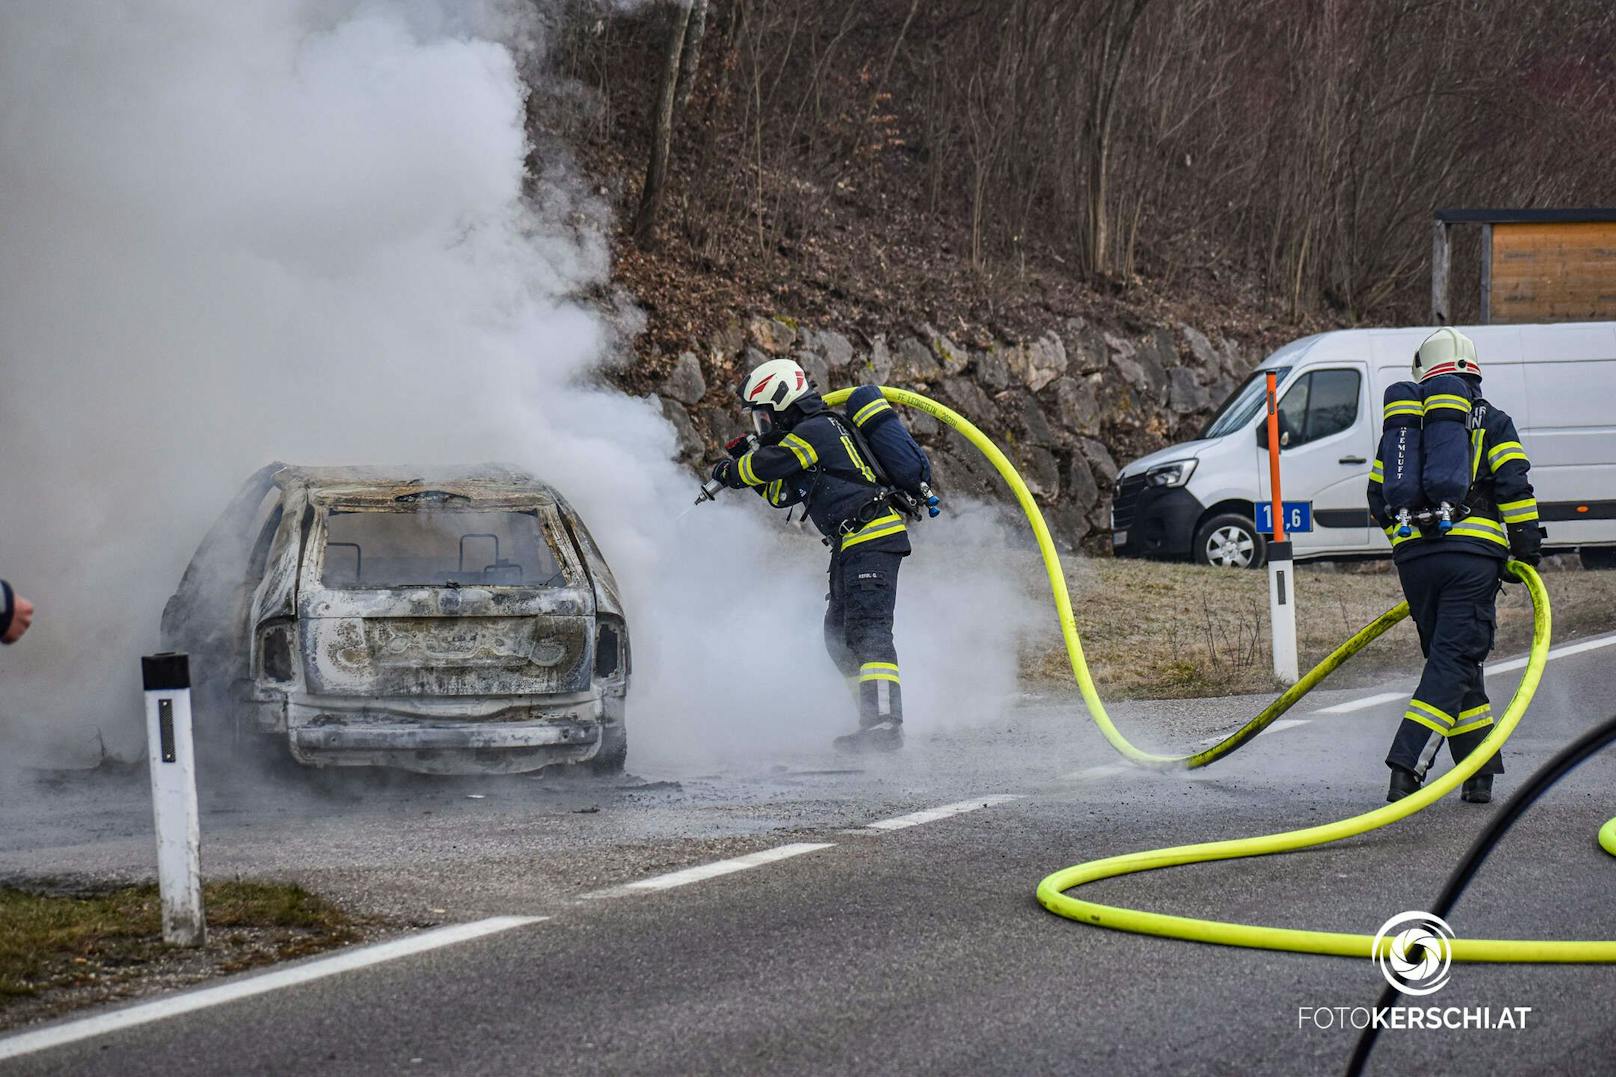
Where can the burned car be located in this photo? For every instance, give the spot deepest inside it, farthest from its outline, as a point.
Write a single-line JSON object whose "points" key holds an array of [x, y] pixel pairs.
{"points": [[454, 622]]}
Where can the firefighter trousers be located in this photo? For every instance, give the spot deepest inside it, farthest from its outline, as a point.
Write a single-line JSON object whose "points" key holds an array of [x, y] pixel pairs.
{"points": [[858, 629], [1451, 597]]}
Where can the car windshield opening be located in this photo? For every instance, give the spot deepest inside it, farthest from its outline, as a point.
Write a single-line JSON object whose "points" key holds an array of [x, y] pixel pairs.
{"points": [[1243, 404], [436, 546]]}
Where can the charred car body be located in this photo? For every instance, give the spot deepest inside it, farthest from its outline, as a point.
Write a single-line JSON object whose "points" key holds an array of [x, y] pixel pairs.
{"points": [[457, 622]]}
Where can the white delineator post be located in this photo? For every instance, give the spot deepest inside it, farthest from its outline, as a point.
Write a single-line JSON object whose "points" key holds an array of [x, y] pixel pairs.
{"points": [[167, 680], [1281, 578]]}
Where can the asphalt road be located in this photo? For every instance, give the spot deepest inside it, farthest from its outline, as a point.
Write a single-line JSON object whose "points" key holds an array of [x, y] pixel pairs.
{"points": [[888, 950]]}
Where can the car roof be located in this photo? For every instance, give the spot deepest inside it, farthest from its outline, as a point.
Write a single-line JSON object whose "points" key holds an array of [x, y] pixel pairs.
{"points": [[388, 483]]}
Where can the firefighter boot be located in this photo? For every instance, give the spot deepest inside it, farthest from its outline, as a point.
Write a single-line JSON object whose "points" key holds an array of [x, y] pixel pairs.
{"points": [[1477, 789], [1404, 782], [885, 736]]}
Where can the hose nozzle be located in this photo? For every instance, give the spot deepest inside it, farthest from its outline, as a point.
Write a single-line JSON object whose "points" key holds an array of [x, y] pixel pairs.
{"points": [[709, 491]]}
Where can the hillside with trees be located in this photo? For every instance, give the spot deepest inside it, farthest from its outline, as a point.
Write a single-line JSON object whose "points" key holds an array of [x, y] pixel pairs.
{"points": [[981, 175]]}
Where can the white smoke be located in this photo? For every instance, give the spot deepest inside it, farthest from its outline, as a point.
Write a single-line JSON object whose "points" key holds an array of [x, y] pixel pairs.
{"points": [[232, 233]]}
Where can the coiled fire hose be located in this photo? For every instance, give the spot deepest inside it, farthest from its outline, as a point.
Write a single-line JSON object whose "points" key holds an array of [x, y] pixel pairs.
{"points": [[1536, 784], [1052, 891]]}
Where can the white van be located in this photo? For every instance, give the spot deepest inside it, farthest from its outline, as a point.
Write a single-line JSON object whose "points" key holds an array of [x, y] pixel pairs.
{"points": [[1196, 499]]}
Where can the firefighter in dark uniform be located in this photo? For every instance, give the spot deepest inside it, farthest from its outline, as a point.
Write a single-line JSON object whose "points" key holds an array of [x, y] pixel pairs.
{"points": [[808, 454], [1452, 579]]}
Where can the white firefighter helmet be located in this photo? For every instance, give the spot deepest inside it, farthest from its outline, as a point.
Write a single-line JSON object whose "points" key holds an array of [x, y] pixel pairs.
{"points": [[1446, 351], [775, 385]]}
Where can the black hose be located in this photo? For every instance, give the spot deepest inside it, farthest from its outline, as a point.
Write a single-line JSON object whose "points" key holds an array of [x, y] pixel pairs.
{"points": [[1538, 784]]}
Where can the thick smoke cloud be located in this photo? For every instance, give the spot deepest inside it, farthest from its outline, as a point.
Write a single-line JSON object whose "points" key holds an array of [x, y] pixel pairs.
{"points": [[232, 233]]}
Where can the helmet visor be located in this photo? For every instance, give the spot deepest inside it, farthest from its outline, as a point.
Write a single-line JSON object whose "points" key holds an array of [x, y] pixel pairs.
{"points": [[762, 421]]}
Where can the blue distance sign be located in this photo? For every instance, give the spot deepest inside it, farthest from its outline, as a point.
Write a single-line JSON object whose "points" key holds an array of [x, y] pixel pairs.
{"points": [[1298, 517]]}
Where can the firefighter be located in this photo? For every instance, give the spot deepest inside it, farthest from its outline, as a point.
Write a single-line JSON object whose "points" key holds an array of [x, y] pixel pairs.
{"points": [[808, 454], [1451, 578]]}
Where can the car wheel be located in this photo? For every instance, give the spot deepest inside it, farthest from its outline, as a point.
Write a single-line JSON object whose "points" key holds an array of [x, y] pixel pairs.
{"points": [[1230, 541], [1598, 556], [613, 752]]}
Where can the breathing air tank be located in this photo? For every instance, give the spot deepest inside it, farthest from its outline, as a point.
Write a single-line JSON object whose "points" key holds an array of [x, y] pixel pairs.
{"points": [[1445, 462], [1401, 453]]}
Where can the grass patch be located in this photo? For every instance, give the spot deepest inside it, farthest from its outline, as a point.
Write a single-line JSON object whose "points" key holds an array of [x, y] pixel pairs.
{"points": [[60, 939], [1164, 630]]}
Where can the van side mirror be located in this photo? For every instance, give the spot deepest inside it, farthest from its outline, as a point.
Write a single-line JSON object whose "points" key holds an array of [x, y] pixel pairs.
{"points": [[1262, 435]]}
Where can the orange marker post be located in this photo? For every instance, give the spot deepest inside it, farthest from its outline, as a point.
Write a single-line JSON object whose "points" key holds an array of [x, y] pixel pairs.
{"points": [[1281, 577], [1273, 457]]}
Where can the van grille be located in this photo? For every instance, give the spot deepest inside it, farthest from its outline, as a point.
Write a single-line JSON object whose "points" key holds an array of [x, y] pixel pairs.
{"points": [[1127, 502]]}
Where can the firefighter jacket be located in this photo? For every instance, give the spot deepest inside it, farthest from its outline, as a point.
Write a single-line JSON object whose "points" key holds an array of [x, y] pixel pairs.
{"points": [[1503, 512], [815, 462]]}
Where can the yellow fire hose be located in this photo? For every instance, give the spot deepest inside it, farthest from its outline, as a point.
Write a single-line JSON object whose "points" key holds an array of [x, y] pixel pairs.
{"points": [[1052, 890]]}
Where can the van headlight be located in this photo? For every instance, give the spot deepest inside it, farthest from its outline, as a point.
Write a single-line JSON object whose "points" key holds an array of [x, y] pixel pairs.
{"points": [[1172, 473]]}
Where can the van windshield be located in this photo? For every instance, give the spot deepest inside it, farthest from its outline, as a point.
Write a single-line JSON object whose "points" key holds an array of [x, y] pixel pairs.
{"points": [[1243, 404], [436, 546]]}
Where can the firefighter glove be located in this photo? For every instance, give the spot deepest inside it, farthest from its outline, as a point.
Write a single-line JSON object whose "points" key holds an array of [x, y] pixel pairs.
{"points": [[1526, 544], [724, 472]]}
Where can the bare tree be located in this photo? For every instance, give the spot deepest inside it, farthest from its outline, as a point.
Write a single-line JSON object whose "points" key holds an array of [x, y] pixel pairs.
{"points": [[690, 53], [682, 53], [1113, 39], [1295, 145]]}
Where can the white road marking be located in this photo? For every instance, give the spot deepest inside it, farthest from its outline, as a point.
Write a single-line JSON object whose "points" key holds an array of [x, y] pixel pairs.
{"points": [[1555, 652], [24, 1043], [1362, 704], [1507, 666], [710, 871], [1104, 770], [1273, 727], [931, 815]]}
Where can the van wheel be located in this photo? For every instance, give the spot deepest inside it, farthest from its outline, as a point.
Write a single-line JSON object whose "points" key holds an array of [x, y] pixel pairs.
{"points": [[1598, 556], [1230, 541]]}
